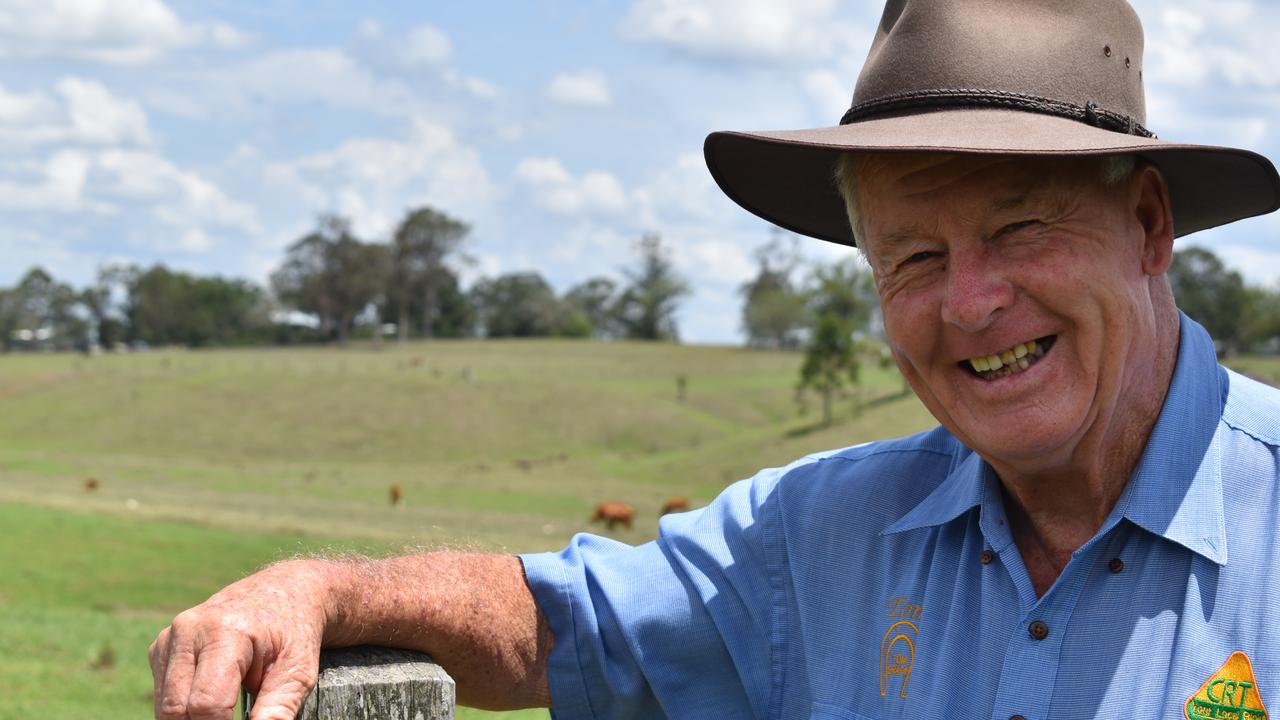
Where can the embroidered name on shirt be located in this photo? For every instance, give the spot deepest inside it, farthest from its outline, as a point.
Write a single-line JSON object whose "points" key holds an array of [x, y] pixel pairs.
{"points": [[1231, 693], [898, 648]]}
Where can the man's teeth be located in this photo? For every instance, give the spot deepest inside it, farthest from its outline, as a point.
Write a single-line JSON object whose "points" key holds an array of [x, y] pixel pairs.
{"points": [[1015, 359]]}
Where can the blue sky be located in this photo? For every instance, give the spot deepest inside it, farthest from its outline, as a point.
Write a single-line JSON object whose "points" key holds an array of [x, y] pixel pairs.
{"points": [[209, 135]]}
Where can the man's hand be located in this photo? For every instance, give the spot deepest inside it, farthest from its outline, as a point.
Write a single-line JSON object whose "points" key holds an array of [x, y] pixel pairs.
{"points": [[473, 613], [264, 631]]}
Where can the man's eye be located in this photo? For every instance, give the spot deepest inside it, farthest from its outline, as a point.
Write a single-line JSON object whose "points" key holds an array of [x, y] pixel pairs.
{"points": [[920, 257], [1015, 227]]}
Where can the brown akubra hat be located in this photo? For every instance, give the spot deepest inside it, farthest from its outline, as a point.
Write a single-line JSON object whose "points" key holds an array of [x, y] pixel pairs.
{"points": [[1029, 77]]}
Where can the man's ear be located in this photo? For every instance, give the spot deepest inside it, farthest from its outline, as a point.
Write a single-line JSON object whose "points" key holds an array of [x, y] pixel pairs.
{"points": [[1151, 210]]}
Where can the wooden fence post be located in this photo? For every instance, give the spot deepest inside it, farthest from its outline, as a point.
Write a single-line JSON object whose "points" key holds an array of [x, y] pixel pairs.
{"points": [[376, 683]]}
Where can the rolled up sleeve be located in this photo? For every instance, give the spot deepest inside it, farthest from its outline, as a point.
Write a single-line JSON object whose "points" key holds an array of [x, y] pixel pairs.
{"points": [[685, 626]]}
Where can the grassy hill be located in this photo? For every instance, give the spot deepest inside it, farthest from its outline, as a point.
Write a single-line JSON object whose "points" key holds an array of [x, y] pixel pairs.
{"points": [[210, 464]]}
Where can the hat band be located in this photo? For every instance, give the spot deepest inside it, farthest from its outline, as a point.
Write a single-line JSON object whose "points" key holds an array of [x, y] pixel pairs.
{"points": [[1088, 113]]}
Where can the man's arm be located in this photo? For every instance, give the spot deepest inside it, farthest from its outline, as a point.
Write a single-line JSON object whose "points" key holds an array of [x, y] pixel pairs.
{"points": [[472, 613]]}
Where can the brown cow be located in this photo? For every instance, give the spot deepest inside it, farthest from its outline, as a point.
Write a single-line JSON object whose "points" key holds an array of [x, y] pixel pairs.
{"points": [[396, 495], [675, 504], [91, 484], [613, 513]]}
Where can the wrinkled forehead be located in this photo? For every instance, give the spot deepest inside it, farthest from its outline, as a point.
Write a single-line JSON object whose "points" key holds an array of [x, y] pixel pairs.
{"points": [[929, 175]]}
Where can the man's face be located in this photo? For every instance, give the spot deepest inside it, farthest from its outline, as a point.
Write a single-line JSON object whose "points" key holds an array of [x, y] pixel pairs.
{"points": [[1030, 265]]}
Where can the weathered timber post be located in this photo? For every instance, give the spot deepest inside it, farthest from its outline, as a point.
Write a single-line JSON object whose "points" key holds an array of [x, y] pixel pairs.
{"points": [[376, 683]]}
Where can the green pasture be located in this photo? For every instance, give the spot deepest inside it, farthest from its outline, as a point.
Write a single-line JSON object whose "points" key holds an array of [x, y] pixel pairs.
{"points": [[211, 464]]}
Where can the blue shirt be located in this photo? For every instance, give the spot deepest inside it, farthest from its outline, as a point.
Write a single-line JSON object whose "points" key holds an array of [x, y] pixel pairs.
{"points": [[881, 581]]}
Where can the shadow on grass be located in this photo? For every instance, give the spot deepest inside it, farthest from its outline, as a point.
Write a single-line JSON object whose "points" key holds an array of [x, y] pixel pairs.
{"points": [[873, 403]]}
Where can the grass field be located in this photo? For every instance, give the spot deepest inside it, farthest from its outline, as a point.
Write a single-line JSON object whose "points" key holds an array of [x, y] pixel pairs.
{"points": [[211, 464]]}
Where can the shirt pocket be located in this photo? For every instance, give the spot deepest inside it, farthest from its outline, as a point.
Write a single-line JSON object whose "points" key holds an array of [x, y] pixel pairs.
{"points": [[823, 711]]}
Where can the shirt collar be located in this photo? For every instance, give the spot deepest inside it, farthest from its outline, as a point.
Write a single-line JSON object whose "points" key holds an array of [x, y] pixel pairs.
{"points": [[1175, 491]]}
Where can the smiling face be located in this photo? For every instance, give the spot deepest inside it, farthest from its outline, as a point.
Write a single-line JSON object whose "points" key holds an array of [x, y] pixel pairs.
{"points": [[1024, 298]]}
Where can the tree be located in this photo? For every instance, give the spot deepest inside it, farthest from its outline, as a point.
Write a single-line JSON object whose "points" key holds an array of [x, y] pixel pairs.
{"points": [[167, 307], [516, 305], [646, 308], [102, 300], [1260, 322], [332, 275], [1210, 293], [845, 289], [830, 362], [773, 310], [41, 312], [422, 242], [592, 301]]}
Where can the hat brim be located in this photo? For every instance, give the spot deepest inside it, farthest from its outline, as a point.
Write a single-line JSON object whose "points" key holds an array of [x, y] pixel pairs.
{"points": [[788, 177]]}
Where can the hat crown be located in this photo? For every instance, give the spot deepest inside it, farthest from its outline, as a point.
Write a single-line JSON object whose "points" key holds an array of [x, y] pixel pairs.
{"points": [[1073, 52]]}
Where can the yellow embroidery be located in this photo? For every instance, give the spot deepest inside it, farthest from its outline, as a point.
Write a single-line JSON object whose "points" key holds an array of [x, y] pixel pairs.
{"points": [[1231, 693], [898, 648]]}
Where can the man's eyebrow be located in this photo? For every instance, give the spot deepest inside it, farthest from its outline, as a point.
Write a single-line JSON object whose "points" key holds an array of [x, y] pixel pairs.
{"points": [[1011, 202]]}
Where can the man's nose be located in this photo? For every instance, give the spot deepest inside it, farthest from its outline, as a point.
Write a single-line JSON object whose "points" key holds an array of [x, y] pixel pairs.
{"points": [[976, 291]]}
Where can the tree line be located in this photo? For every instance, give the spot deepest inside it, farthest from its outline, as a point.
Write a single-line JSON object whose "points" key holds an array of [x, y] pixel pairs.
{"points": [[409, 284], [333, 285]]}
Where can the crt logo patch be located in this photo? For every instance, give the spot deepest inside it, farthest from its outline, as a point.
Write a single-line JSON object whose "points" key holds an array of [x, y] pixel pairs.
{"points": [[1231, 693]]}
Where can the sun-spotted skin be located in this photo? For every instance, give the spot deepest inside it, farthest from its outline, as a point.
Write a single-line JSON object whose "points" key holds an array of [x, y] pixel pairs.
{"points": [[978, 256]]}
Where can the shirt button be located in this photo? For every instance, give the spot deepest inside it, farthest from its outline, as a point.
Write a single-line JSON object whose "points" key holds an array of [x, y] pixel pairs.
{"points": [[1038, 630], [1016, 717], [1116, 565], [986, 557]]}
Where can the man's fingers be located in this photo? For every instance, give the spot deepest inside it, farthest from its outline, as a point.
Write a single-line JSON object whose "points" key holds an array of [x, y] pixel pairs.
{"points": [[179, 668], [158, 655], [284, 689], [220, 667]]}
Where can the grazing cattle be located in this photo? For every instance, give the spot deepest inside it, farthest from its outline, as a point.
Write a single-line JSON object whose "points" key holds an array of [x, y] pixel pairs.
{"points": [[675, 504], [396, 494], [613, 513], [91, 485]]}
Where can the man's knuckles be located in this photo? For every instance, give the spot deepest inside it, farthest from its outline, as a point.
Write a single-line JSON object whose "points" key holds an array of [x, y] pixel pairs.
{"points": [[205, 703]]}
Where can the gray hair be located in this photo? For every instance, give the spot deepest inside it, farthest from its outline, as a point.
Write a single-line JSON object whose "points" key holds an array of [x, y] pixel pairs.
{"points": [[1114, 169]]}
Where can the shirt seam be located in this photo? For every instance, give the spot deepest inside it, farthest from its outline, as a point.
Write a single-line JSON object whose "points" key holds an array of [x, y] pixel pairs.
{"points": [[774, 539], [565, 590], [1273, 443]]}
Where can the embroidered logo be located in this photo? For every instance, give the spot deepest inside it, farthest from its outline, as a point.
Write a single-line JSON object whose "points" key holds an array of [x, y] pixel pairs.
{"points": [[1230, 693], [898, 648]]}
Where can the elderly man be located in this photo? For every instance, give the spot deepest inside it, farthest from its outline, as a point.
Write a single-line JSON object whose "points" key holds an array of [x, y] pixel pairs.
{"points": [[1090, 532]]}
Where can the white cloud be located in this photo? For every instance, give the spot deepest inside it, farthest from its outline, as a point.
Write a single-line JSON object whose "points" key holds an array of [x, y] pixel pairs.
{"points": [[558, 191], [408, 54], [98, 116], [582, 87], [830, 92], [543, 171], [736, 30], [307, 75], [421, 46], [684, 193], [1191, 44], [80, 112], [108, 31], [179, 198], [195, 240], [59, 187], [427, 45], [375, 180], [1258, 266]]}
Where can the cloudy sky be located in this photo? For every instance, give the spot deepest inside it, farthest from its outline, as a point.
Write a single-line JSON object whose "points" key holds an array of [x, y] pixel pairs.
{"points": [[209, 135]]}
